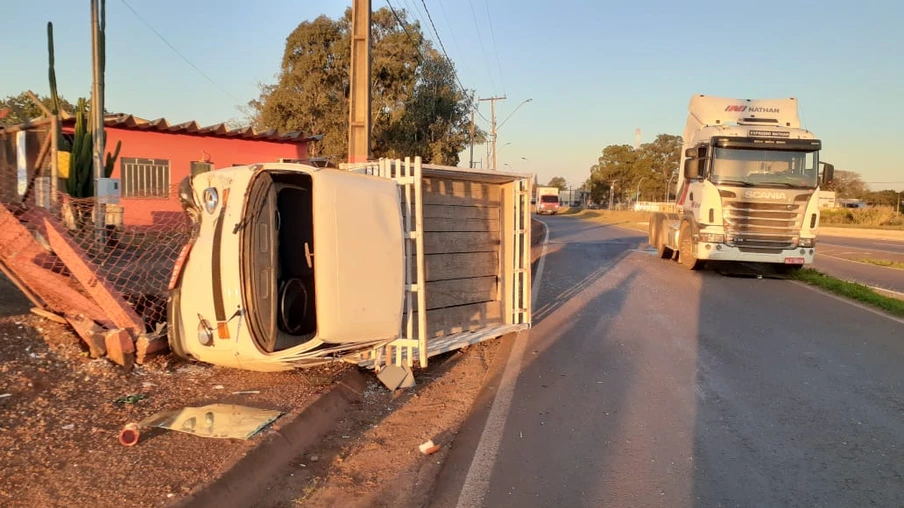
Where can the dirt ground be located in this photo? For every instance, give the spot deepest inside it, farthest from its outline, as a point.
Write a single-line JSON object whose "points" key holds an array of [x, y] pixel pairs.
{"points": [[59, 422], [372, 459]]}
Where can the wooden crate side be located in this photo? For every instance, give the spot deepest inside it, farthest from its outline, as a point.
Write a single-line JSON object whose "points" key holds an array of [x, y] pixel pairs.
{"points": [[439, 191], [465, 318], [459, 212], [451, 293], [461, 265], [460, 225], [457, 242]]}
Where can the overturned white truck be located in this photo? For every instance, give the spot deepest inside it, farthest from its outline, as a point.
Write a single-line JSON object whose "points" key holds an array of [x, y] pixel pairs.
{"points": [[291, 265]]}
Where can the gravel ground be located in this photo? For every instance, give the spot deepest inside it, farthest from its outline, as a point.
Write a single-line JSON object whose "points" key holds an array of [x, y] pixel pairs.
{"points": [[59, 422]]}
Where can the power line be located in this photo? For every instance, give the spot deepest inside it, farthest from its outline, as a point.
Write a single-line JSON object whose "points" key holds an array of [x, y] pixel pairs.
{"points": [[398, 18], [480, 39], [443, 47], [195, 67], [495, 48]]}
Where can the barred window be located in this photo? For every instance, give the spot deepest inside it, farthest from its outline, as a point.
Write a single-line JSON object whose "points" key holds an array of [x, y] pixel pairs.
{"points": [[145, 177]]}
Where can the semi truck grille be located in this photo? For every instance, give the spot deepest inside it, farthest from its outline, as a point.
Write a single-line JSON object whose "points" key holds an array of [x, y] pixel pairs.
{"points": [[765, 226]]}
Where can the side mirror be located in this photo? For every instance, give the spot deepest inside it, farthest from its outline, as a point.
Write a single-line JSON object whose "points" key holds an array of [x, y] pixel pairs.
{"points": [[828, 173], [692, 169], [690, 153]]}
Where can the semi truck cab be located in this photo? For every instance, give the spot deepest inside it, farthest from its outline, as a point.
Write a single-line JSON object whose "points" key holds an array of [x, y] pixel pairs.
{"points": [[749, 189]]}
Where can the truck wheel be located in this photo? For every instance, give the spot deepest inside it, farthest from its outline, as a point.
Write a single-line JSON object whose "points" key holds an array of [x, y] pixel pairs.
{"points": [[655, 230], [685, 249]]}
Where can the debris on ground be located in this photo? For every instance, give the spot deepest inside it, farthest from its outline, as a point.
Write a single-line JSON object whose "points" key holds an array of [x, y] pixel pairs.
{"points": [[220, 421], [429, 448]]}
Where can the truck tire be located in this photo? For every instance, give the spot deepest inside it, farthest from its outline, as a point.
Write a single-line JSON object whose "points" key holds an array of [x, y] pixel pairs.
{"points": [[685, 249], [657, 238]]}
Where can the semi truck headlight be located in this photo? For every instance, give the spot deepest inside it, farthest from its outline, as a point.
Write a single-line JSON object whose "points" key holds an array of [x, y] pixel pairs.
{"points": [[807, 242], [711, 237]]}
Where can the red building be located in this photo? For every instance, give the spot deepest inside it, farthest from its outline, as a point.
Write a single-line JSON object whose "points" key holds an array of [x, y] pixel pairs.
{"points": [[155, 156]]}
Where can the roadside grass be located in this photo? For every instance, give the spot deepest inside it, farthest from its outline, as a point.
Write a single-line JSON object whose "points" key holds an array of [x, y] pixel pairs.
{"points": [[851, 290], [884, 262]]}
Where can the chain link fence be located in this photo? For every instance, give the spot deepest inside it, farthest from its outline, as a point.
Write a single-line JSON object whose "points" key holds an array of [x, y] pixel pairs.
{"points": [[130, 254]]}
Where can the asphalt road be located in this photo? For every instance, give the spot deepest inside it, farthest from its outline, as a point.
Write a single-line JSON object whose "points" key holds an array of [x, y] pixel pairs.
{"points": [[841, 257], [862, 244], [644, 384]]}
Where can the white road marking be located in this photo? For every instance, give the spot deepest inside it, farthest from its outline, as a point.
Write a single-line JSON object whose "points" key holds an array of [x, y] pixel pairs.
{"points": [[860, 248], [477, 482]]}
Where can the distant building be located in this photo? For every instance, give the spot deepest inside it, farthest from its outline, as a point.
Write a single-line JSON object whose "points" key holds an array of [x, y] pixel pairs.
{"points": [[155, 156]]}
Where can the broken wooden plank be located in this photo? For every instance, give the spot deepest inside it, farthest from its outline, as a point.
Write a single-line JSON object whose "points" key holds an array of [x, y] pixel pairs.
{"points": [[117, 309], [28, 263], [91, 333], [454, 242], [452, 293], [148, 346], [48, 315], [461, 265]]}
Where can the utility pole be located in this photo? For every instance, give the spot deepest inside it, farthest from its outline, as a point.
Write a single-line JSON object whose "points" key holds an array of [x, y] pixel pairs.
{"points": [[471, 165], [359, 79], [97, 114], [493, 113], [611, 193]]}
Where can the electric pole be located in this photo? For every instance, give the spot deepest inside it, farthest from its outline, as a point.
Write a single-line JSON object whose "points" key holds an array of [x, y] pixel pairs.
{"points": [[97, 117], [359, 79], [493, 113], [472, 138]]}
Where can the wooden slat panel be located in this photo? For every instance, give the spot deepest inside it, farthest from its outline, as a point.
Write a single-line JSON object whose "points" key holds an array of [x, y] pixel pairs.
{"points": [[456, 192], [451, 293], [462, 225], [450, 243], [441, 322], [459, 212], [460, 266]]}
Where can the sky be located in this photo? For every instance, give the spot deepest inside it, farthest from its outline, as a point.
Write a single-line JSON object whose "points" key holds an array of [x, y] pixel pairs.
{"points": [[594, 71]]}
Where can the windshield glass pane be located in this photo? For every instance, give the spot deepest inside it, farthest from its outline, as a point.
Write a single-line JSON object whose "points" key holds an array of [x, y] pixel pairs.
{"points": [[549, 199], [764, 167]]}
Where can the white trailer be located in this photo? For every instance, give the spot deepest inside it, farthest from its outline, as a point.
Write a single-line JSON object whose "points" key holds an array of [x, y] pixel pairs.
{"points": [[749, 190], [292, 265], [547, 200]]}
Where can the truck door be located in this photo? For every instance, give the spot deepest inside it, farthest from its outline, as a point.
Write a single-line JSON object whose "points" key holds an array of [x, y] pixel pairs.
{"points": [[359, 261]]}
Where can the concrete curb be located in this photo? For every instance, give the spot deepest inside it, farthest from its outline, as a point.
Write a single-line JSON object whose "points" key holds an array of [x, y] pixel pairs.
{"points": [[867, 234], [242, 483]]}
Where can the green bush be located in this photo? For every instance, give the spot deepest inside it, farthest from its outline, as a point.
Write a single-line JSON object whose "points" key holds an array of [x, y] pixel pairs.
{"points": [[873, 216]]}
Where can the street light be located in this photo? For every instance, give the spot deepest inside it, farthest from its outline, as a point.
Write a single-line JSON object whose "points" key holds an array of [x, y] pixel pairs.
{"points": [[668, 187], [637, 194], [513, 112]]}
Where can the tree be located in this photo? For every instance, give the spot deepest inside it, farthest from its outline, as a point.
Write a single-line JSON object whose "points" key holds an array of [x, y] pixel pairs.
{"points": [[20, 108], [415, 106], [558, 182], [848, 184], [646, 169]]}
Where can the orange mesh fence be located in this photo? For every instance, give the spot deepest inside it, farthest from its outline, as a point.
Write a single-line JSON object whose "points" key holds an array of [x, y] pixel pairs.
{"points": [[131, 255]]}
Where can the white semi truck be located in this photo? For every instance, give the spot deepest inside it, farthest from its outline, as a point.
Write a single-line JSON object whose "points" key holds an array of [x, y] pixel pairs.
{"points": [[748, 188]]}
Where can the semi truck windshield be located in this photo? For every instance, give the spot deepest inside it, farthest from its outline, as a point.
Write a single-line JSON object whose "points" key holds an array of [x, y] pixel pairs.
{"points": [[779, 168]]}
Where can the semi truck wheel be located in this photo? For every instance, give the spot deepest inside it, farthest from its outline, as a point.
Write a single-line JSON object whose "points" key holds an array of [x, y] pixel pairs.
{"points": [[686, 249]]}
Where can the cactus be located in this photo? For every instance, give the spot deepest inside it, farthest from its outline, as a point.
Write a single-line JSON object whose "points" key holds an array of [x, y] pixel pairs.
{"points": [[111, 160]]}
